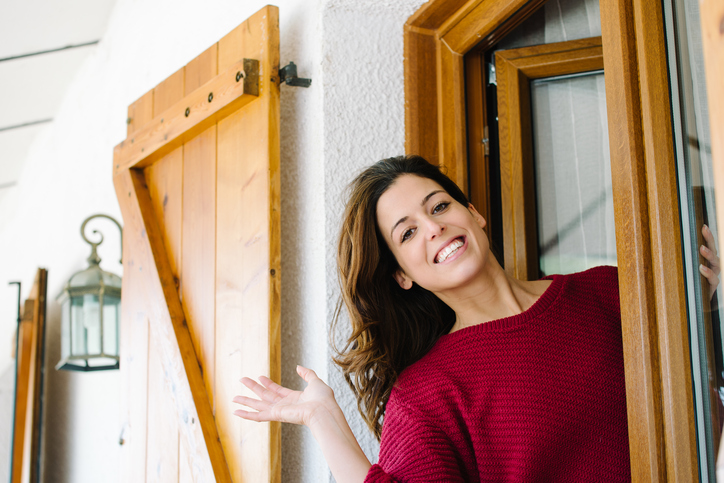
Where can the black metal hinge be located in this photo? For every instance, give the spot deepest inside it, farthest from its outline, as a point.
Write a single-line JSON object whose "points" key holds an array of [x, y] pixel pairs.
{"points": [[288, 75]]}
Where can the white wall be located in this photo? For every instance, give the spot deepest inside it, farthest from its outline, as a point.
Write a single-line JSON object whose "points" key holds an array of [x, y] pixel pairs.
{"points": [[350, 117]]}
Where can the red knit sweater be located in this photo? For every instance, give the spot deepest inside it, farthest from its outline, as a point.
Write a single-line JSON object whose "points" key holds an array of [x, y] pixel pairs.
{"points": [[536, 397]]}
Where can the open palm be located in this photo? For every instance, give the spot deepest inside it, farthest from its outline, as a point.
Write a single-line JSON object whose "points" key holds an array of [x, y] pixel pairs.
{"points": [[277, 403]]}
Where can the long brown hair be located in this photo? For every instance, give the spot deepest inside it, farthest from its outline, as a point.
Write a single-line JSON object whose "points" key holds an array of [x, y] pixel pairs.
{"points": [[391, 328]]}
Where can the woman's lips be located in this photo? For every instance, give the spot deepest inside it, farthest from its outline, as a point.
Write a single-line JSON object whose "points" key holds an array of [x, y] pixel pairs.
{"points": [[450, 250]]}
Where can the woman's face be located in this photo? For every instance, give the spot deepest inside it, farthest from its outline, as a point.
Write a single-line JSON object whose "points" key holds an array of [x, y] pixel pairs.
{"points": [[438, 243]]}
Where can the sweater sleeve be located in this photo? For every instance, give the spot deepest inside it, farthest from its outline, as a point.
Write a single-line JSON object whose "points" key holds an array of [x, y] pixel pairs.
{"points": [[413, 450]]}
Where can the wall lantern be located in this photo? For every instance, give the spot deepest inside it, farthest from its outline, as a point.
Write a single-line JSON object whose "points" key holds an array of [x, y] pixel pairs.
{"points": [[90, 313]]}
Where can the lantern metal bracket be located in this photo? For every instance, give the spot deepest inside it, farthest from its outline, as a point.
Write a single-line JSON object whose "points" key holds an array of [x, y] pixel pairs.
{"points": [[93, 258]]}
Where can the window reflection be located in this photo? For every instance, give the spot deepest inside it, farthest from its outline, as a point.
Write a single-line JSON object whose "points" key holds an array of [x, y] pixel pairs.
{"points": [[699, 226]]}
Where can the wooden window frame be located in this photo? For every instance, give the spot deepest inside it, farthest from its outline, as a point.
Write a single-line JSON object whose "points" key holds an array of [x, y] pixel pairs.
{"points": [[515, 69], [651, 272]]}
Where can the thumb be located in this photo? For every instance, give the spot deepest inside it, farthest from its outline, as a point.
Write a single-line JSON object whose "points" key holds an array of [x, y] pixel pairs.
{"points": [[307, 374]]}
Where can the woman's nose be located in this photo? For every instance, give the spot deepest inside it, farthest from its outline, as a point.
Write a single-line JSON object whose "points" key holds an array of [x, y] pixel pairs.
{"points": [[434, 229]]}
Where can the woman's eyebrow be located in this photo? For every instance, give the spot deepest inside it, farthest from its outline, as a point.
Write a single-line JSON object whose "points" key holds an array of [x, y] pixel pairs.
{"points": [[424, 200]]}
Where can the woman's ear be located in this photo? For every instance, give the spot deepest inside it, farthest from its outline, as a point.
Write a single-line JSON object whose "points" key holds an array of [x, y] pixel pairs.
{"points": [[402, 280], [478, 217]]}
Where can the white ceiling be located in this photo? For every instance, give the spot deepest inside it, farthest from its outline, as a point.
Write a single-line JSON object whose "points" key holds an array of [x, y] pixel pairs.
{"points": [[32, 86]]}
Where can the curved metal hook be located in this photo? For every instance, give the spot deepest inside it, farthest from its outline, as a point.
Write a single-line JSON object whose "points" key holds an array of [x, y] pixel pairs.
{"points": [[92, 244]]}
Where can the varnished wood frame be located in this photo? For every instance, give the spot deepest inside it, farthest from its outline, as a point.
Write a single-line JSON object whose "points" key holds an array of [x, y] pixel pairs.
{"points": [[651, 272], [30, 355], [515, 69]]}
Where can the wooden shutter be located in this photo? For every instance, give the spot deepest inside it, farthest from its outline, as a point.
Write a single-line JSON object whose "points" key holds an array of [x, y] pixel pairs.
{"points": [[198, 183], [29, 384]]}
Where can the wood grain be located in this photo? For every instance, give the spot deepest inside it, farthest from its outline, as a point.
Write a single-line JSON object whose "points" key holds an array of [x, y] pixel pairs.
{"points": [[170, 91], [165, 185], [421, 126], [199, 228], [248, 256], [451, 110], [162, 462], [435, 38], [170, 210], [170, 333], [198, 249], [477, 128], [201, 69], [140, 112], [23, 393], [134, 357], [172, 128], [667, 264], [25, 444], [633, 243]]}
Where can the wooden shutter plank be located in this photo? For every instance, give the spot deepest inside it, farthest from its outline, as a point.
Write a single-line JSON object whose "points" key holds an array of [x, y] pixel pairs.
{"points": [[199, 246], [168, 330], [202, 69], [173, 127], [164, 178], [170, 91], [134, 333], [165, 182], [243, 245], [184, 471], [248, 251], [163, 432], [139, 113]]}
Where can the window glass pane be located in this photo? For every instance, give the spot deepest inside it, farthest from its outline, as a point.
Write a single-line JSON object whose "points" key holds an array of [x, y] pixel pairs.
{"points": [[574, 199], [696, 195]]}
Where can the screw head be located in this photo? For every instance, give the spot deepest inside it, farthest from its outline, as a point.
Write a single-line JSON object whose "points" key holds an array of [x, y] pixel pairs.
{"points": [[239, 76], [211, 96], [188, 111]]}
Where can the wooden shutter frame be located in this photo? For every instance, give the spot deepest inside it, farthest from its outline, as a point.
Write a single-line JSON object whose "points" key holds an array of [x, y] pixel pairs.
{"points": [[155, 296], [29, 357], [651, 273]]}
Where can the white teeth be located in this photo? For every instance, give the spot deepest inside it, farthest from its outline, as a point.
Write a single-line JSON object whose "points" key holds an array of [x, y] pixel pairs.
{"points": [[449, 250]]}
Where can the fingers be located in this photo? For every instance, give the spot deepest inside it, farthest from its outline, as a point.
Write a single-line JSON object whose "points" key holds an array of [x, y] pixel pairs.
{"points": [[251, 403], [249, 415], [710, 275], [261, 391], [307, 374], [273, 386], [708, 250]]}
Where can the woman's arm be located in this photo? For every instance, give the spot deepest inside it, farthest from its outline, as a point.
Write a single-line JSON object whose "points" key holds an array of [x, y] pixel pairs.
{"points": [[316, 408]]}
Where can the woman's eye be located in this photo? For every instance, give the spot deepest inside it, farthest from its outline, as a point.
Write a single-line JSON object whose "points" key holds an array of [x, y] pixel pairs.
{"points": [[407, 234], [440, 207]]}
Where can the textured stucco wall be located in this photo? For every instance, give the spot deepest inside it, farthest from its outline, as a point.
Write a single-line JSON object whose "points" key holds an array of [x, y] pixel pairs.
{"points": [[350, 117]]}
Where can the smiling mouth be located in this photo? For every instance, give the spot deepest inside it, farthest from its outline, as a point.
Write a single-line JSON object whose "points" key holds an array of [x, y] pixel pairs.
{"points": [[449, 250]]}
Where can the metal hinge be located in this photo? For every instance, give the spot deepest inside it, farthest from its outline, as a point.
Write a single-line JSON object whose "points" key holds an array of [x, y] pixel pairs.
{"points": [[288, 75], [491, 74]]}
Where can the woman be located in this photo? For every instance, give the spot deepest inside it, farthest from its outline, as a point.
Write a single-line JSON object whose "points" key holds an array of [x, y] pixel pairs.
{"points": [[479, 376]]}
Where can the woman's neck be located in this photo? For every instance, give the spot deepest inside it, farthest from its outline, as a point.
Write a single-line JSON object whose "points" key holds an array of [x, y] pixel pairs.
{"points": [[492, 295]]}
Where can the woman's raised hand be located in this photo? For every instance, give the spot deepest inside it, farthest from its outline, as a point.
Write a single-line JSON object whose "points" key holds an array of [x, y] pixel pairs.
{"points": [[709, 252], [277, 403]]}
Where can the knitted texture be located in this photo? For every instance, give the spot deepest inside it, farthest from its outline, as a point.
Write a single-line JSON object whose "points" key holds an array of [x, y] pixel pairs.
{"points": [[536, 397]]}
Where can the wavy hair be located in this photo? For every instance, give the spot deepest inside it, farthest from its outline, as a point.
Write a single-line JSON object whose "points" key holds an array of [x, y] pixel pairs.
{"points": [[391, 328]]}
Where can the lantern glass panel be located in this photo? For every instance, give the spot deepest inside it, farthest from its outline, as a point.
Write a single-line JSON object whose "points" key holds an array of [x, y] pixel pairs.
{"points": [[111, 316], [92, 323], [78, 345], [65, 329]]}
